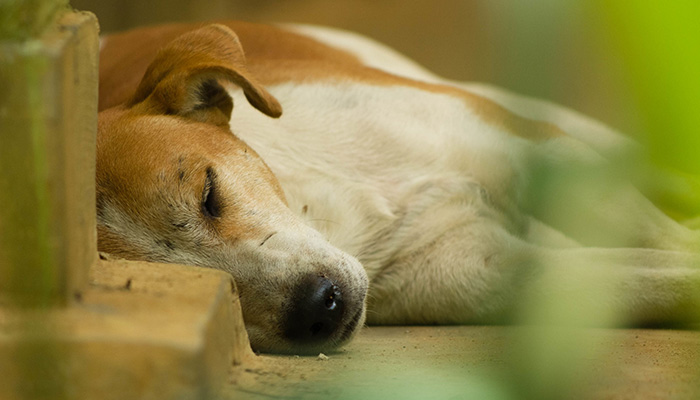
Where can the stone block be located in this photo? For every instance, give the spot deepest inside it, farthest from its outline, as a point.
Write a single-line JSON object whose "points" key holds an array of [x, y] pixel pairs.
{"points": [[139, 331]]}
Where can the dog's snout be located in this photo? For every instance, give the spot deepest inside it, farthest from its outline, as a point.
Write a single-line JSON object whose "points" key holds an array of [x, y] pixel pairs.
{"points": [[316, 312]]}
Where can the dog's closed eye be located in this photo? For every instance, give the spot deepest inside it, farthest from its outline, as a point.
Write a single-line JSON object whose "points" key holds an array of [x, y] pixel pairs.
{"points": [[211, 203]]}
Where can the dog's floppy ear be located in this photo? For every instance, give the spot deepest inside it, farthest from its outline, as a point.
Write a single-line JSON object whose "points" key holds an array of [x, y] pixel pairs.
{"points": [[184, 78]]}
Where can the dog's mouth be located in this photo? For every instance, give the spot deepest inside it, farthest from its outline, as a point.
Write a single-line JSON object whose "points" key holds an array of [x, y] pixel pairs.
{"points": [[338, 338], [323, 312], [351, 327]]}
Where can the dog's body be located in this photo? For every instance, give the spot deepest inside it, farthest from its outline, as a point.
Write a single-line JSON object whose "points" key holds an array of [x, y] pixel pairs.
{"points": [[422, 180]]}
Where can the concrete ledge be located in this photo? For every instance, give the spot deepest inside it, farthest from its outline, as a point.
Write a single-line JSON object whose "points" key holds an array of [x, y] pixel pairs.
{"points": [[140, 331]]}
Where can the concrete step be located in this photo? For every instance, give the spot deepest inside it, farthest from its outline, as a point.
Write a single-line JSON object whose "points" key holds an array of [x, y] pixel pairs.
{"points": [[139, 331]]}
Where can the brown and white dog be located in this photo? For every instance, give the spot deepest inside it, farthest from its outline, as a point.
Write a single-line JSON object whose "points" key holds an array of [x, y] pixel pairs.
{"points": [[380, 181]]}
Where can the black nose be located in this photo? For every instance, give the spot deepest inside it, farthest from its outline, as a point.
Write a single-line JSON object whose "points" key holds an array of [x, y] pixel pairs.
{"points": [[316, 312]]}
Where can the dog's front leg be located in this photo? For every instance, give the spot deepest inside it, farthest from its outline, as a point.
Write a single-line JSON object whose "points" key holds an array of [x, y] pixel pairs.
{"points": [[478, 272], [468, 273], [597, 286]]}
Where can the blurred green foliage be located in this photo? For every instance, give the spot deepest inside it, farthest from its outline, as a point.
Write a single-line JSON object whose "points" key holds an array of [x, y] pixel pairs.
{"points": [[24, 19], [659, 43]]}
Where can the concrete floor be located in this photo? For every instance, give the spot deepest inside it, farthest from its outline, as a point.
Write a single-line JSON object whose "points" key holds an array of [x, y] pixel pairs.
{"points": [[483, 362]]}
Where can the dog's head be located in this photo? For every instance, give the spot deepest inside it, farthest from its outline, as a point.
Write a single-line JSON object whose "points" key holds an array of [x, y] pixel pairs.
{"points": [[175, 185]]}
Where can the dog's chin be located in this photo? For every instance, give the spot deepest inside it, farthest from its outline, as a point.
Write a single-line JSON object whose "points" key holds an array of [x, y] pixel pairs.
{"points": [[263, 341]]}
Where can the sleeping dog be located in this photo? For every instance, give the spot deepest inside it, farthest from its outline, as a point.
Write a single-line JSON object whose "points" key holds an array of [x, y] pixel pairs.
{"points": [[382, 193]]}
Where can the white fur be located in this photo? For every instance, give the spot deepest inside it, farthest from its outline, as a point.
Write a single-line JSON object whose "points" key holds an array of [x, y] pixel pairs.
{"points": [[335, 160]]}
